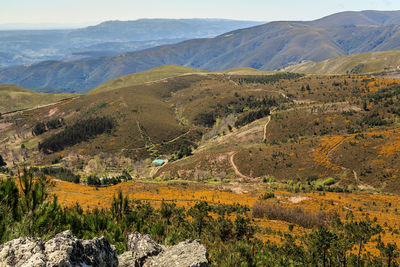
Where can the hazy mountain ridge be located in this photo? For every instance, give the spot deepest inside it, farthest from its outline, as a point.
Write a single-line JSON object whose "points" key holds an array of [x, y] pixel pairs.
{"points": [[267, 47], [30, 46]]}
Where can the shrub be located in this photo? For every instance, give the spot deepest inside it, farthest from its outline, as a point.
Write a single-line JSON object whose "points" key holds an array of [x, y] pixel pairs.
{"points": [[267, 195], [296, 215], [329, 181]]}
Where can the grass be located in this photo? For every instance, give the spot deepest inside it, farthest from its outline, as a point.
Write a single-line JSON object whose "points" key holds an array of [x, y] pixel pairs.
{"points": [[152, 75], [373, 62], [16, 98], [247, 71]]}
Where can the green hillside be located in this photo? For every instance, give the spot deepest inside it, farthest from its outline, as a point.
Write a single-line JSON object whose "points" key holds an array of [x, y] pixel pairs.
{"points": [[356, 64], [15, 98], [247, 71], [151, 75]]}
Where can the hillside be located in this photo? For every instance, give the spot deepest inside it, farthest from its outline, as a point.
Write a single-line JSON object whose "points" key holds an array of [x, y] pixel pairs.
{"points": [[106, 39], [375, 62], [315, 128], [151, 75], [16, 98], [266, 47]]}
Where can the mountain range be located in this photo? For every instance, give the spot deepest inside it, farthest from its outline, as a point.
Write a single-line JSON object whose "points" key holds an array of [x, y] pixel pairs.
{"points": [[106, 39], [269, 46]]}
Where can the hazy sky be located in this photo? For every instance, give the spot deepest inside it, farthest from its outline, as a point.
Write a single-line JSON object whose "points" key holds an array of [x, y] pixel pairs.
{"points": [[78, 11]]}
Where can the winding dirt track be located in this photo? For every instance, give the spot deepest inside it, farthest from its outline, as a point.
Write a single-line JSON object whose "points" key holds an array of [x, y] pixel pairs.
{"points": [[265, 128], [235, 168]]}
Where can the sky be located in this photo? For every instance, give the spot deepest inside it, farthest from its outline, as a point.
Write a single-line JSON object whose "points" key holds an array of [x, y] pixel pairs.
{"points": [[69, 12]]}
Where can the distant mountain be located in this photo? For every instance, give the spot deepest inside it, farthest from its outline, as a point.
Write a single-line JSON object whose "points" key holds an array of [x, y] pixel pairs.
{"points": [[111, 37], [267, 47], [374, 62], [368, 17]]}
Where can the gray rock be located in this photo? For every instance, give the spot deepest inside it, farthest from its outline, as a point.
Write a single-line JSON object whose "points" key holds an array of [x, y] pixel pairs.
{"points": [[24, 251], [64, 250], [185, 254], [142, 246], [128, 259], [98, 252]]}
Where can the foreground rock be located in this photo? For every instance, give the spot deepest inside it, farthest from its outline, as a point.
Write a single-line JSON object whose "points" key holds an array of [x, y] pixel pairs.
{"points": [[143, 251], [65, 250], [62, 250]]}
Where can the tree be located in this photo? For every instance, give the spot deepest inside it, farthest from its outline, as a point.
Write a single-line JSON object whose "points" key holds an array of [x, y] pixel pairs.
{"points": [[361, 232], [340, 246], [388, 251], [167, 210], [119, 206], [319, 243], [2, 162], [243, 227], [199, 213], [33, 190]]}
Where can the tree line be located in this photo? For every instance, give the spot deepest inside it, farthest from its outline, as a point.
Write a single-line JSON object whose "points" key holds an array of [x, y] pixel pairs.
{"points": [[266, 79], [80, 131], [43, 127]]}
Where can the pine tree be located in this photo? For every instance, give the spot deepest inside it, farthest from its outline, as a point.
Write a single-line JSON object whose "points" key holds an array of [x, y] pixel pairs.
{"points": [[2, 162]]}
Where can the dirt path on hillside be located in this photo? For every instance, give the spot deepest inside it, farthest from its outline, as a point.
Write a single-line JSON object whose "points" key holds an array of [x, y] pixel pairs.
{"points": [[265, 128], [235, 168]]}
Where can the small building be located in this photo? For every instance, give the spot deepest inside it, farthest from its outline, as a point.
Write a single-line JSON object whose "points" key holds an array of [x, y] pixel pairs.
{"points": [[157, 162]]}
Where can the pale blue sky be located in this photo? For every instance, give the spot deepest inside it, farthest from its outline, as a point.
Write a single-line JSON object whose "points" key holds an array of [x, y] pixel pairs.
{"points": [[77, 11]]}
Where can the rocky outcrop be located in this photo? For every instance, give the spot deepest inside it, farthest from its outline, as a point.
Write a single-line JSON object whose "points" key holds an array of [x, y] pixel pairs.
{"points": [[188, 253], [63, 250], [143, 251]]}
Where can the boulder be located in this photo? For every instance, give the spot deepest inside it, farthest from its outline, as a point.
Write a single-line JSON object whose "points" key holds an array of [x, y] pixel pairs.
{"points": [[143, 251], [142, 245], [186, 254], [24, 251], [63, 250]]}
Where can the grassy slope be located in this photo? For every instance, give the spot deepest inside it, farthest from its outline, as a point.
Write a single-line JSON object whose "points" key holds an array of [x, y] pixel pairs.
{"points": [[247, 71], [14, 98], [151, 75], [357, 63]]}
